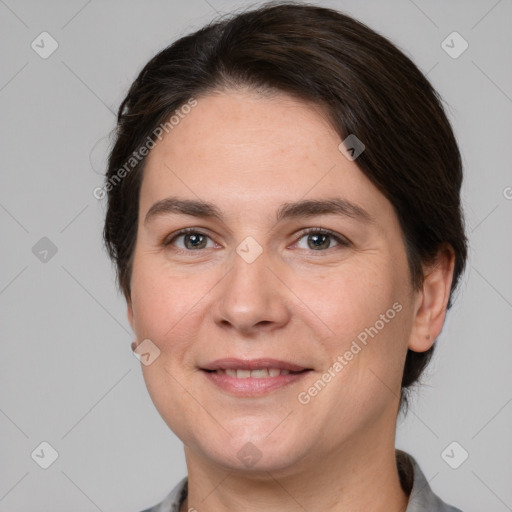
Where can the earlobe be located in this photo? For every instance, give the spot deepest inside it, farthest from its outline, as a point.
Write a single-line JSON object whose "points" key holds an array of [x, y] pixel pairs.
{"points": [[432, 301], [131, 320]]}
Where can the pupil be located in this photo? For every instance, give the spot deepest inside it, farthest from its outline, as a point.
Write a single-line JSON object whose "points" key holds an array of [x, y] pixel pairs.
{"points": [[316, 238], [195, 238]]}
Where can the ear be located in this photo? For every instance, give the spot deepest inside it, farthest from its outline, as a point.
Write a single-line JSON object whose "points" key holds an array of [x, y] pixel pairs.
{"points": [[132, 321], [432, 300], [129, 314]]}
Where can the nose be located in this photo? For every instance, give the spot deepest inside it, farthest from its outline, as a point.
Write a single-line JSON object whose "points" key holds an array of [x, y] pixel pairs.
{"points": [[252, 297]]}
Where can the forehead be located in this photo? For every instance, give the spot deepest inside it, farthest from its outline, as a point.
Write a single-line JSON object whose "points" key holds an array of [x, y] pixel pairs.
{"points": [[234, 125], [251, 151]]}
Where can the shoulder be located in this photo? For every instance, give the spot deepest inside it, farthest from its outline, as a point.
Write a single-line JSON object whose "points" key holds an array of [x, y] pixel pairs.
{"points": [[173, 501]]}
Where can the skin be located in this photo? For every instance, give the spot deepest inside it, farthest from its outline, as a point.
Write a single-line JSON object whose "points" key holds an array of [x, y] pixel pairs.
{"points": [[248, 154]]}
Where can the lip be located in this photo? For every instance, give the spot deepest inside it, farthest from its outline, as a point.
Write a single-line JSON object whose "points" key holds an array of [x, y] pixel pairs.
{"points": [[250, 386]]}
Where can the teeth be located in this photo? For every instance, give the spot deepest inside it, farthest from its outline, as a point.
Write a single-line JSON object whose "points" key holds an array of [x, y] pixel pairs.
{"points": [[260, 373]]}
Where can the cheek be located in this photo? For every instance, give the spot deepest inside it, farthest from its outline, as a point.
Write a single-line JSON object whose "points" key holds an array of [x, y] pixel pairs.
{"points": [[164, 312], [350, 299], [366, 318], [168, 309], [161, 299]]}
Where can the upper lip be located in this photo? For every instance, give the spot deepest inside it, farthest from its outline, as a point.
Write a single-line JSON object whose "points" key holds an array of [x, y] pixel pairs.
{"points": [[251, 364]]}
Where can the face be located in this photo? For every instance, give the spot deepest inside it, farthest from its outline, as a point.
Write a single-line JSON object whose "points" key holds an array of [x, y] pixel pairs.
{"points": [[259, 282]]}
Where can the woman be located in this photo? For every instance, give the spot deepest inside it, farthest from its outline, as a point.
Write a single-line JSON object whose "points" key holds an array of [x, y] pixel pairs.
{"points": [[284, 215]]}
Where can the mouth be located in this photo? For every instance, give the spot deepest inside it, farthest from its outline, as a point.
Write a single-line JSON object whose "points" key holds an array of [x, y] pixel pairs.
{"points": [[260, 373], [254, 377]]}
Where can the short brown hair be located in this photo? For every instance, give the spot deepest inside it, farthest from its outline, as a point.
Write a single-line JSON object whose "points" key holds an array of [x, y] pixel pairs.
{"points": [[365, 85]]}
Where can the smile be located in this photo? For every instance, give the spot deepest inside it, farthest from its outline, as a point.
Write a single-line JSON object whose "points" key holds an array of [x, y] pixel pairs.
{"points": [[256, 377]]}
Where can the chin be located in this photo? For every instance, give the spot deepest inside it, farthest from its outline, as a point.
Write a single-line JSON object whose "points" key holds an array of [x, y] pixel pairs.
{"points": [[252, 454]]}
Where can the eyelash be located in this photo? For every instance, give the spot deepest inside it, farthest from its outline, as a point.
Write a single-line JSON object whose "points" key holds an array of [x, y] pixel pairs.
{"points": [[320, 231]]}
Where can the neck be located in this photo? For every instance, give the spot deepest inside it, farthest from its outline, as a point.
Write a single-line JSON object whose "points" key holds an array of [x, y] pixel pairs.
{"points": [[359, 476]]}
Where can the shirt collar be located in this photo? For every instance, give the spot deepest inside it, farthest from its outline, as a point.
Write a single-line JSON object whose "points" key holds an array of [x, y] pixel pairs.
{"points": [[414, 483], [421, 496]]}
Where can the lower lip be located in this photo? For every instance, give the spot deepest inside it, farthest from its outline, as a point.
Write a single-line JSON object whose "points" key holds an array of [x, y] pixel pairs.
{"points": [[252, 386]]}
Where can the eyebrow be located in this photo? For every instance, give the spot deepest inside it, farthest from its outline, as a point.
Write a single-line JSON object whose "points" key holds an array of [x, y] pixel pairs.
{"points": [[303, 208]]}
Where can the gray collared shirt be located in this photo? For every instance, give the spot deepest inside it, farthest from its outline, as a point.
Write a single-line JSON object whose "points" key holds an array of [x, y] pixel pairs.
{"points": [[421, 497]]}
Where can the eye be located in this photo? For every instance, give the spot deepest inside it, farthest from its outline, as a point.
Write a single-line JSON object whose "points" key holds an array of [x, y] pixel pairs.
{"points": [[192, 240], [319, 239]]}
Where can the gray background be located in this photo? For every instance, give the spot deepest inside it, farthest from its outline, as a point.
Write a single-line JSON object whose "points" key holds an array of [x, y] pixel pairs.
{"points": [[68, 376]]}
